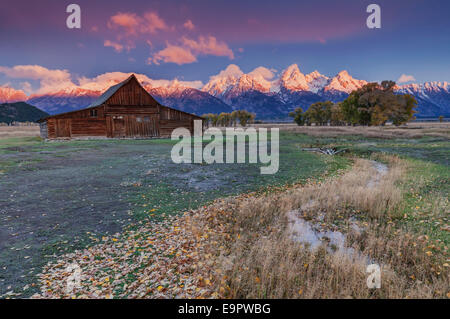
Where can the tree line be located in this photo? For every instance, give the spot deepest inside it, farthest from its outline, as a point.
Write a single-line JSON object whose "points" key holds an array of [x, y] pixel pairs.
{"points": [[373, 104], [229, 119]]}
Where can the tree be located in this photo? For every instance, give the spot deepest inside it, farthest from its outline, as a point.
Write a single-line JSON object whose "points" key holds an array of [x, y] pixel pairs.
{"points": [[299, 116], [224, 119], [337, 116], [320, 113], [375, 104], [404, 111], [214, 119], [245, 117], [208, 119], [234, 118]]}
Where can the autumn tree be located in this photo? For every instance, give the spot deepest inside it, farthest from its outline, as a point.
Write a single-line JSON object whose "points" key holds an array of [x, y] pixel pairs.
{"points": [[375, 104], [319, 113], [298, 115]]}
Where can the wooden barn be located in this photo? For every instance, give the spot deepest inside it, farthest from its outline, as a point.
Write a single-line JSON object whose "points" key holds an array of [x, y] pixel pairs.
{"points": [[125, 110]]}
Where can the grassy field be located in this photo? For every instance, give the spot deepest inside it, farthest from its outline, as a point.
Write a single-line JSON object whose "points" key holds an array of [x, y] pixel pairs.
{"points": [[61, 196], [64, 196], [19, 131]]}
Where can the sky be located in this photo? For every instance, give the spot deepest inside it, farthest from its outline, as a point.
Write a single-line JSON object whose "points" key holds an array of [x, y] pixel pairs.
{"points": [[194, 40]]}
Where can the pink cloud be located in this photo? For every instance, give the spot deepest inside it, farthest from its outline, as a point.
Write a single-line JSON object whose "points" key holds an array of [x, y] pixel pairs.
{"points": [[153, 23], [405, 78], [189, 25], [116, 46], [127, 21], [188, 50], [208, 46], [133, 24], [130, 26], [173, 54], [50, 80]]}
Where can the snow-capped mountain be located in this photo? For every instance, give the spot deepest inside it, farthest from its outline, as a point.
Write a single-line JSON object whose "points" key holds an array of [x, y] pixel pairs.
{"points": [[234, 83], [187, 99], [293, 80], [340, 86], [220, 85], [316, 81], [10, 95], [344, 82], [258, 94], [66, 100], [433, 97]]}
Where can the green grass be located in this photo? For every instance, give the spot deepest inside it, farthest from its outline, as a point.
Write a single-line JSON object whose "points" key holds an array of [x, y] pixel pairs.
{"points": [[427, 204]]}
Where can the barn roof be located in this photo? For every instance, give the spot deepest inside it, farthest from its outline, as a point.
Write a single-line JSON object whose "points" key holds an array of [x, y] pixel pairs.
{"points": [[109, 92]]}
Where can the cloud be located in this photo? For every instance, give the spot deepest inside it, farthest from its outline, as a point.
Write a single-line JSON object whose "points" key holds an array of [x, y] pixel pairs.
{"points": [[189, 25], [128, 21], [208, 46], [26, 87], [134, 24], [405, 78], [129, 26], [265, 73], [50, 80], [189, 49], [153, 23], [232, 70], [117, 46], [106, 80], [173, 54]]}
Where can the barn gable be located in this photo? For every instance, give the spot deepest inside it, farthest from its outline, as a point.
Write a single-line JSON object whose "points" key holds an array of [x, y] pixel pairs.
{"points": [[129, 92]]}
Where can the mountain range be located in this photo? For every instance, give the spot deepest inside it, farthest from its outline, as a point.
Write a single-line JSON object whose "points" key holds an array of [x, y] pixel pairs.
{"points": [[268, 97]]}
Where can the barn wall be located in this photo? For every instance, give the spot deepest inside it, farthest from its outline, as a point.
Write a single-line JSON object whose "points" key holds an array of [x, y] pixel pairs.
{"points": [[88, 127], [171, 119], [51, 128]]}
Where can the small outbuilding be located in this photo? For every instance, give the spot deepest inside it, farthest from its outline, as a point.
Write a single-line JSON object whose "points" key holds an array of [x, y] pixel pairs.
{"points": [[125, 110]]}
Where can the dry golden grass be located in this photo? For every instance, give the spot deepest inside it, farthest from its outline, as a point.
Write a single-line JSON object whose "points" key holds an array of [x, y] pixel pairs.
{"points": [[411, 130], [19, 131], [261, 259]]}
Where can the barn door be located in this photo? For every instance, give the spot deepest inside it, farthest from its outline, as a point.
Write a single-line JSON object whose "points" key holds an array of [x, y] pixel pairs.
{"points": [[143, 126], [118, 126], [63, 128], [150, 128]]}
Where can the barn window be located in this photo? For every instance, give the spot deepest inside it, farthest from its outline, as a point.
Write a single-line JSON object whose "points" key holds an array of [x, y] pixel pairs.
{"points": [[138, 119], [146, 119], [93, 113]]}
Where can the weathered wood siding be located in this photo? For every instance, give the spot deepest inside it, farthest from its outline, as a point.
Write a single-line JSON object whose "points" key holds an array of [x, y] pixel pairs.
{"points": [[130, 94], [171, 119]]}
